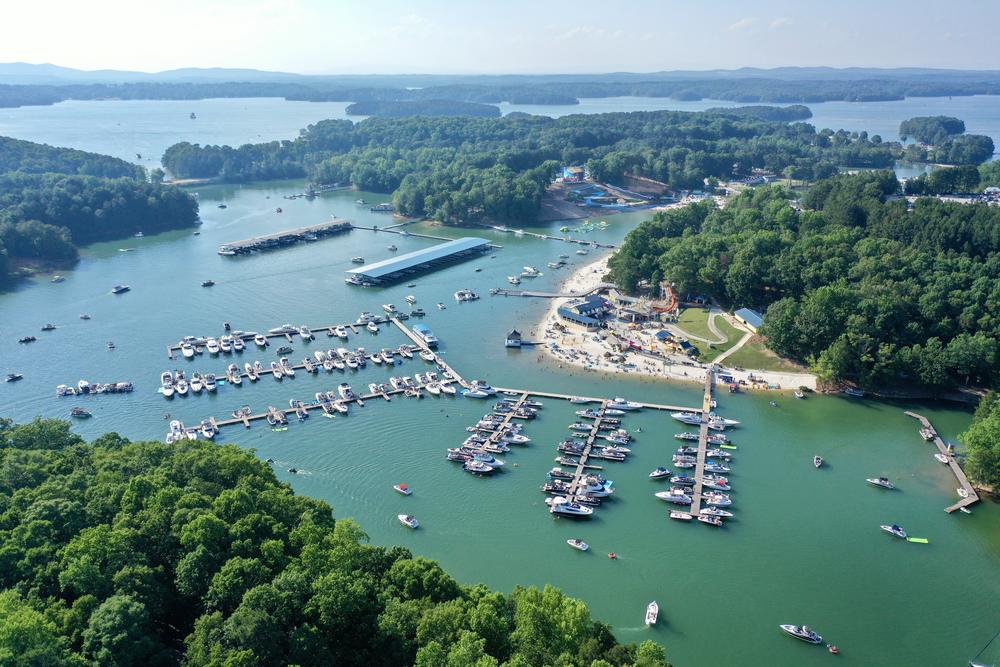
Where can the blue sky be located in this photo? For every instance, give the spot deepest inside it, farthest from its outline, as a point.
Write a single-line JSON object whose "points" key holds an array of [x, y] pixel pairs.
{"points": [[473, 36]]}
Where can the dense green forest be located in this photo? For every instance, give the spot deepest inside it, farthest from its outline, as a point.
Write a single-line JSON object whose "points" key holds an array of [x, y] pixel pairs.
{"points": [[54, 199], [946, 181], [462, 168], [931, 129], [942, 140], [858, 285], [774, 87], [119, 553], [982, 442], [789, 113], [422, 108]]}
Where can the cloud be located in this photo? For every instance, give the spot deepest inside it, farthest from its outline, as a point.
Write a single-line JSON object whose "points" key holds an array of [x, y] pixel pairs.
{"points": [[744, 23], [781, 22]]}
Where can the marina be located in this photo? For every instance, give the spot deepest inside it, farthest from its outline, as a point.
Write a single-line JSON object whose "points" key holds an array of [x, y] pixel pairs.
{"points": [[412, 263], [285, 238], [971, 496]]}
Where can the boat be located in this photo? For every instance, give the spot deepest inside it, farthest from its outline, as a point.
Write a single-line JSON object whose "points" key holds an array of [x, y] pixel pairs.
{"points": [[284, 350], [405, 351], [57, 279], [620, 403], [260, 340], [196, 383], [212, 345], [49, 327], [358, 260], [372, 327], [926, 434], [715, 511], [693, 418], [393, 248], [856, 393], [345, 391], [286, 367], [403, 489], [818, 461], [408, 520], [448, 389], [166, 383], [659, 473], [513, 280], [79, 413], [941, 458], [716, 484], [652, 613], [120, 289], [187, 350], [799, 394], [962, 492], [13, 377], [674, 497], [226, 344], [181, 386], [580, 545], [465, 294], [562, 506], [717, 499], [211, 383], [305, 333], [680, 516], [894, 530], [27, 339], [84, 316], [478, 467], [803, 632], [207, 283], [882, 482], [389, 308], [251, 372], [581, 252], [276, 370]]}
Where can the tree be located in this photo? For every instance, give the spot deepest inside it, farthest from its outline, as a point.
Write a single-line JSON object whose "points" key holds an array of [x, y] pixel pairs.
{"points": [[982, 441], [28, 639], [118, 634]]}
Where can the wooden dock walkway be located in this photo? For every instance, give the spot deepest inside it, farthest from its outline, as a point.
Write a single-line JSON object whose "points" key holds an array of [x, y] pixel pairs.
{"points": [[496, 435], [581, 466], [592, 399], [699, 470], [402, 232], [956, 469], [500, 291], [547, 237], [455, 375]]}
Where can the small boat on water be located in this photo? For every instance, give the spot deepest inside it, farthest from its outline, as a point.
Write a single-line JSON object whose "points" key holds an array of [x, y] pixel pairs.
{"points": [[408, 520], [578, 544], [799, 394], [403, 489], [372, 327], [652, 613], [207, 283], [358, 260], [13, 377], [802, 632], [941, 458], [120, 289], [563, 506], [710, 520], [818, 461], [79, 413], [882, 482], [680, 516], [465, 294], [894, 530], [660, 473], [962, 493], [926, 434]]}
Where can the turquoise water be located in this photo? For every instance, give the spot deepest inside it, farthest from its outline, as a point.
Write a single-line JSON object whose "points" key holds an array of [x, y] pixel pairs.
{"points": [[804, 548]]}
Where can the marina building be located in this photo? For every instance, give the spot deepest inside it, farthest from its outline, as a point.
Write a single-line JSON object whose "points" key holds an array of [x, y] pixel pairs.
{"points": [[585, 312], [412, 263]]}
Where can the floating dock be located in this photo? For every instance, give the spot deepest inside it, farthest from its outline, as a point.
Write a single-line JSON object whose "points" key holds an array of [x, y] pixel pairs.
{"points": [[411, 263], [285, 238], [548, 237], [581, 466], [328, 329], [699, 469], [500, 291], [956, 469]]}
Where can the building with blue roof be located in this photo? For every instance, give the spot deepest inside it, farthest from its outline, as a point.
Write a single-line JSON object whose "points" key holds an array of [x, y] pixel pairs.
{"points": [[751, 319]]}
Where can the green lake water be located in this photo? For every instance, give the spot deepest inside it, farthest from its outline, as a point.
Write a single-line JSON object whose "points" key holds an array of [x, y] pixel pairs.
{"points": [[805, 546]]}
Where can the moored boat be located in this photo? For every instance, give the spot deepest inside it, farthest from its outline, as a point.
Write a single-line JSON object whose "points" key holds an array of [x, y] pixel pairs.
{"points": [[408, 520], [803, 632], [578, 544], [652, 613]]}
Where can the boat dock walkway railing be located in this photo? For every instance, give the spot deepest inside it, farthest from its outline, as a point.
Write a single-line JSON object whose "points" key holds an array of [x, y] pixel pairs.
{"points": [[548, 237], [592, 399], [500, 291], [581, 466], [423, 346], [699, 470], [963, 481], [402, 232], [289, 335]]}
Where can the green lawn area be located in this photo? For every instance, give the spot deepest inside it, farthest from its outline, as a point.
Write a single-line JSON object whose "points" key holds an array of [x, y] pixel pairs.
{"points": [[695, 322], [755, 355]]}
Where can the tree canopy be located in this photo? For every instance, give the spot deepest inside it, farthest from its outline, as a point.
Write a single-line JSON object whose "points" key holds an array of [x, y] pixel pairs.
{"points": [[122, 553], [859, 285]]}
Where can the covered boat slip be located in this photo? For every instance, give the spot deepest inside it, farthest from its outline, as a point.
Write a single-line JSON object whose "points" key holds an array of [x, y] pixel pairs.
{"points": [[397, 268], [285, 238]]}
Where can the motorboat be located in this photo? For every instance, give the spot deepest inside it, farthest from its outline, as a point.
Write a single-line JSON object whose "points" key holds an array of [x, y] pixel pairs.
{"points": [[927, 434], [448, 389], [286, 367], [372, 327], [211, 383], [465, 294], [715, 511], [305, 333], [652, 613], [680, 516], [798, 394], [686, 436], [513, 280], [882, 482], [433, 388], [212, 345], [403, 489], [941, 458], [276, 370], [478, 467], [166, 383], [712, 417], [716, 467], [579, 545], [187, 350], [718, 454], [120, 289], [260, 340], [79, 413], [673, 497], [716, 484], [14, 377], [389, 308], [251, 372], [27, 339], [682, 480], [717, 499], [803, 632], [408, 520], [376, 358], [962, 492], [207, 430], [340, 332], [411, 299], [345, 391], [226, 344], [710, 520], [580, 426], [620, 403], [196, 383], [358, 260], [687, 451], [181, 386], [427, 356], [388, 356], [562, 506], [660, 473], [579, 400], [405, 352], [339, 407], [693, 418]]}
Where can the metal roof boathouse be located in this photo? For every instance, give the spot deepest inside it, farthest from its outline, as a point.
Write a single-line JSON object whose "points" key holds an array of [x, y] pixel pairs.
{"points": [[411, 263]]}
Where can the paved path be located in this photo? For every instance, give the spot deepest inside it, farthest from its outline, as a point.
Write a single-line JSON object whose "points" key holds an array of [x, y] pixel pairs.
{"points": [[740, 343]]}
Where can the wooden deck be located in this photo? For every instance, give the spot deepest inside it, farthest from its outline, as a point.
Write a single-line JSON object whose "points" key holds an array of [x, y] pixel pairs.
{"points": [[423, 346], [581, 467], [956, 469], [699, 469], [547, 237], [594, 399]]}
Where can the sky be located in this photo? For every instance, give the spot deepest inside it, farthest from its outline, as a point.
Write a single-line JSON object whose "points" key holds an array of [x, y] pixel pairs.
{"points": [[513, 36]]}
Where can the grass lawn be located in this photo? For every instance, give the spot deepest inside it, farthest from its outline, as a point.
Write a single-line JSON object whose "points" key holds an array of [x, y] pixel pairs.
{"points": [[755, 355], [695, 322]]}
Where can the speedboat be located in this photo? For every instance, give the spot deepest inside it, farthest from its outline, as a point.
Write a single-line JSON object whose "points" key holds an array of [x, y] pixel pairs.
{"points": [[660, 473], [251, 372], [674, 497], [166, 383], [465, 294], [717, 499], [682, 480], [340, 332], [799, 394], [478, 468], [212, 345], [448, 389], [578, 544], [716, 484], [941, 458], [408, 520], [680, 516], [211, 383], [372, 327], [286, 367], [79, 413], [260, 340], [513, 280], [962, 492], [427, 356], [818, 461], [403, 489], [652, 612], [389, 308], [433, 388], [716, 467], [345, 391], [196, 383], [475, 393], [207, 430], [376, 358], [405, 352], [305, 333], [620, 403], [181, 386], [687, 417], [226, 344], [803, 632], [410, 298], [276, 370], [120, 289], [715, 511], [358, 260], [14, 377], [187, 349], [562, 506], [882, 482]]}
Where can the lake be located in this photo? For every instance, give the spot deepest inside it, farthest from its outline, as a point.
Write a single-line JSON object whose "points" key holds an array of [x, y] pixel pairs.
{"points": [[804, 548]]}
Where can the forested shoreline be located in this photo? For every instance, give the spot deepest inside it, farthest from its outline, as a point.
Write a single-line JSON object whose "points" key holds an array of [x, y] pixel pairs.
{"points": [[462, 169], [862, 287], [122, 553], [53, 200]]}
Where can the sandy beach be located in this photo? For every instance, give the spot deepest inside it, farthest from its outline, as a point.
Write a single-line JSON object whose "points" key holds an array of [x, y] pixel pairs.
{"points": [[587, 350]]}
